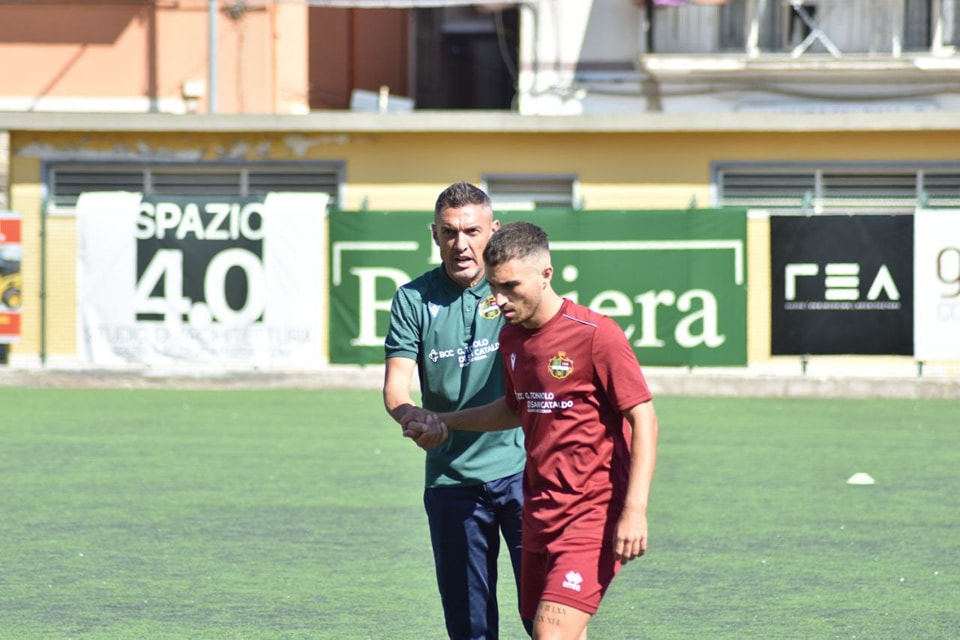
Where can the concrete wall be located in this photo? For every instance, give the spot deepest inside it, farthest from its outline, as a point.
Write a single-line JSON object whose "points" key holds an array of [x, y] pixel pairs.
{"points": [[100, 56], [405, 170]]}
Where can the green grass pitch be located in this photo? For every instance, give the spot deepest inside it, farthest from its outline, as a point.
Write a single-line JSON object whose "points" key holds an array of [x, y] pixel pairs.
{"points": [[297, 514]]}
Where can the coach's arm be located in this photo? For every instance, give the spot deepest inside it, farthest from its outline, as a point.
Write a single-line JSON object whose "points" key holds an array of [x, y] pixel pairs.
{"points": [[397, 400]]}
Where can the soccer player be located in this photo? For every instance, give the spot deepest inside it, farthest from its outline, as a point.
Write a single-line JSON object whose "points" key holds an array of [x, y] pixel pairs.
{"points": [[445, 326], [574, 383]]}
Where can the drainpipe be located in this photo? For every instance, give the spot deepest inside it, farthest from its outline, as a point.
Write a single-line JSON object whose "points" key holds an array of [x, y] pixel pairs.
{"points": [[43, 283], [212, 88]]}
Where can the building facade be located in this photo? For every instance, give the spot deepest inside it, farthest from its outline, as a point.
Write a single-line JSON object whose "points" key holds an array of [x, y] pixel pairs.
{"points": [[780, 107]]}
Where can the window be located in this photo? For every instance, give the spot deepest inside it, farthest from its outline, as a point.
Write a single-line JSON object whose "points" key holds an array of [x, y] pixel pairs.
{"points": [[838, 188], [520, 192], [66, 181]]}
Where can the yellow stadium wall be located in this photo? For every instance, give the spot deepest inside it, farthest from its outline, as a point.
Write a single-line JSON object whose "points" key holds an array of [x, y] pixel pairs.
{"points": [[405, 171]]}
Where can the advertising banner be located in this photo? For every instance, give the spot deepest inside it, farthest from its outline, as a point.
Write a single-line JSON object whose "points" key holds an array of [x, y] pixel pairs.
{"points": [[233, 282], [674, 280], [936, 277], [11, 281], [842, 284]]}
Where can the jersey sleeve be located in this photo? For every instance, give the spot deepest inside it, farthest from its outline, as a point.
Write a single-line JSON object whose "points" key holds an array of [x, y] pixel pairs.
{"points": [[616, 367], [403, 335]]}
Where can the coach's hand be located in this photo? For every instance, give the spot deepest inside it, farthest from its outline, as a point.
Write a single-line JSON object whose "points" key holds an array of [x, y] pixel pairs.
{"points": [[425, 428]]}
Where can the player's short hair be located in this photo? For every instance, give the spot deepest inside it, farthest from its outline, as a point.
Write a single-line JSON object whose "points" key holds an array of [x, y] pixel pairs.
{"points": [[515, 241], [461, 194]]}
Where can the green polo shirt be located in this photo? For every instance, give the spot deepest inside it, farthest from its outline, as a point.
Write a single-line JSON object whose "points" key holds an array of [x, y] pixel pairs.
{"points": [[454, 336]]}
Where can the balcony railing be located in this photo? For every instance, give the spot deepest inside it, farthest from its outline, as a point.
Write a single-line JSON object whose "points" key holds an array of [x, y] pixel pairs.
{"points": [[796, 28]]}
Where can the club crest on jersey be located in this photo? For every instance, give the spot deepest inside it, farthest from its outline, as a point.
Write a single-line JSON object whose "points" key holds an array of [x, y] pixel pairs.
{"points": [[488, 308], [560, 365]]}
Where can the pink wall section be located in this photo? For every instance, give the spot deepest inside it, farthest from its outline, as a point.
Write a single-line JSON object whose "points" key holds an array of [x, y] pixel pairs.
{"points": [[88, 55]]}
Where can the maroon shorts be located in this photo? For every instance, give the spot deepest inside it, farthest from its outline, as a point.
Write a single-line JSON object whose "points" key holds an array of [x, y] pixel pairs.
{"points": [[574, 572]]}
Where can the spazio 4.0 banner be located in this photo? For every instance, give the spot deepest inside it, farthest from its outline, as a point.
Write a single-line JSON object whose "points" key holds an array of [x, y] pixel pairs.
{"points": [[674, 280], [175, 279]]}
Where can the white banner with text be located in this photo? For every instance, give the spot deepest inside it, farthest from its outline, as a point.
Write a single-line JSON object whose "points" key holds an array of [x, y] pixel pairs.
{"points": [[227, 281], [936, 274]]}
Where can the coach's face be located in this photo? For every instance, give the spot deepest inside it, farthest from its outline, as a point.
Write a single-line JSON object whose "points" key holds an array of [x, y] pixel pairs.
{"points": [[462, 235], [519, 287]]}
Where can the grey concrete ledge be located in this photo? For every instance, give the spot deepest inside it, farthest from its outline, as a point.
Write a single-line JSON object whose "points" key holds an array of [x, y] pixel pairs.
{"points": [[477, 122], [663, 381]]}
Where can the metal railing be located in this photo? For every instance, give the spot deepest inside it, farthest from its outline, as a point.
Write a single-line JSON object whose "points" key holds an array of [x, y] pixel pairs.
{"points": [[796, 28]]}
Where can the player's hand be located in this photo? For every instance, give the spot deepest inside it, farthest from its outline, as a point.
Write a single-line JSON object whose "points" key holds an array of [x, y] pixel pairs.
{"points": [[425, 428], [427, 436], [630, 536]]}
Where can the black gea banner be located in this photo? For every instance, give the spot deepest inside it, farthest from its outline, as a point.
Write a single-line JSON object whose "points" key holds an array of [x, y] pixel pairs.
{"points": [[842, 284]]}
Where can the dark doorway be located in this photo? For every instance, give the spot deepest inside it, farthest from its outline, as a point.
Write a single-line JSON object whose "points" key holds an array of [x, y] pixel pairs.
{"points": [[443, 58], [466, 58]]}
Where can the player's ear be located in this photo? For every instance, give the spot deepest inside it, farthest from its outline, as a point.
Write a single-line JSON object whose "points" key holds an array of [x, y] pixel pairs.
{"points": [[547, 275]]}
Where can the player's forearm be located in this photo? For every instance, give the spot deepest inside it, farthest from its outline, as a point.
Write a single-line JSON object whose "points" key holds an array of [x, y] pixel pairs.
{"points": [[495, 416], [643, 455]]}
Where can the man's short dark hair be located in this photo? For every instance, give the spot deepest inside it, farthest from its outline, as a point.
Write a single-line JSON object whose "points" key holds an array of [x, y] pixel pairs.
{"points": [[515, 241], [461, 194]]}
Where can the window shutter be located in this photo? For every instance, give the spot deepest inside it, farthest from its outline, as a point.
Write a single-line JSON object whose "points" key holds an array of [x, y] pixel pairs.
{"points": [[941, 189], [863, 191], [834, 189], [530, 192], [767, 189], [67, 181]]}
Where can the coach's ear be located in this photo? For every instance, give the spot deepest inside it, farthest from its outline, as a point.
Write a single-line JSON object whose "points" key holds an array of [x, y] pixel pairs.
{"points": [[494, 226], [433, 232]]}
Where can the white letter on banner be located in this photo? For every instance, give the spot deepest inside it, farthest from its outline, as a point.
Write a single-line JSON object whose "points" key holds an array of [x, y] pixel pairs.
{"points": [[936, 284], [649, 302], [794, 271], [191, 222], [619, 307], [883, 283], [248, 230], [215, 228], [708, 314], [369, 304], [146, 226], [168, 217]]}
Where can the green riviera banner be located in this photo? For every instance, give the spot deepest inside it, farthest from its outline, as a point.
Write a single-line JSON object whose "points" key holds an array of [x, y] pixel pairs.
{"points": [[674, 280]]}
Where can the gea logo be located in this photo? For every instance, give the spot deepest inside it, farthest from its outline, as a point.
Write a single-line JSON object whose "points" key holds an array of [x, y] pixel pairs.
{"points": [[841, 281]]}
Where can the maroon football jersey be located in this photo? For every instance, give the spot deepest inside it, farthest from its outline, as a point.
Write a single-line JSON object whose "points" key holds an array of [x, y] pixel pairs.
{"points": [[570, 379]]}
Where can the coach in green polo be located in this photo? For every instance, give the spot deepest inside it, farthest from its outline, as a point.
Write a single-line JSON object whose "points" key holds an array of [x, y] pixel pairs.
{"points": [[446, 326]]}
